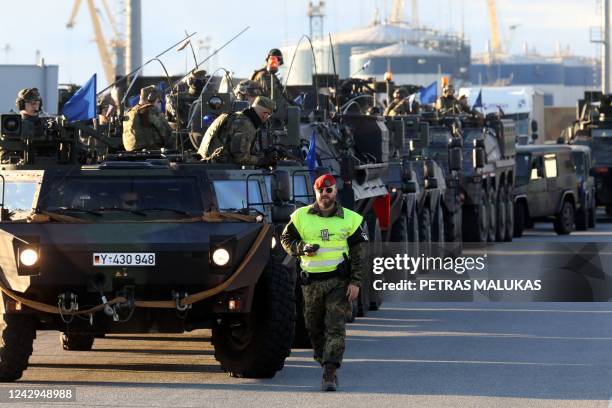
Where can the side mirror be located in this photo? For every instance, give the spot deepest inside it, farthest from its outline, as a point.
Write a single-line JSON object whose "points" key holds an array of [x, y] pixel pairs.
{"points": [[280, 186], [534, 126]]}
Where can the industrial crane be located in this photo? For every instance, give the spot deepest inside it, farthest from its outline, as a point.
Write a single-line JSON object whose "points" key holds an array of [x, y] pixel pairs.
{"points": [[103, 47], [496, 48]]}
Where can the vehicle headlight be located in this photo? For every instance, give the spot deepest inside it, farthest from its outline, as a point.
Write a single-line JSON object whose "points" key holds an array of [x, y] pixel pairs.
{"points": [[28, 257], [220, 257], [273, 242]]}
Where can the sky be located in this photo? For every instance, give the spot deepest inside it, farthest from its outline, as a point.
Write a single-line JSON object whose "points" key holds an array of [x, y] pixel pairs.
{"points": [[39, 26]]}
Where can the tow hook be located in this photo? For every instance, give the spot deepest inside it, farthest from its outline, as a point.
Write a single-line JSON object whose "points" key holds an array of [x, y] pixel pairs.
{"points": [[67, 302], [177, 298], [108, 309]]}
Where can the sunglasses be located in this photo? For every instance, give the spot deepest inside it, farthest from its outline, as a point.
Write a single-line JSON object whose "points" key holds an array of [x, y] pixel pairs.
{"points": [[328, 190]]}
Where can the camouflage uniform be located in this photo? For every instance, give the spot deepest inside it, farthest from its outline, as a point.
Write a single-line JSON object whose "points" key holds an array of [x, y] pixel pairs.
{"points": [[325, 301], [271, 87], [397, 108], [230, 139], [31, 127], [146, 128]]}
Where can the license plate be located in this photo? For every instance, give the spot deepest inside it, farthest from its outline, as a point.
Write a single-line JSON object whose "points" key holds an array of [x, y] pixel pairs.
{"points": [[124, 259]]}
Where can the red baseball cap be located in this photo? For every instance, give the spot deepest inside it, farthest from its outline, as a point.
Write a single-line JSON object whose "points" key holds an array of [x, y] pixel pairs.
{"points": [[326, 180]]}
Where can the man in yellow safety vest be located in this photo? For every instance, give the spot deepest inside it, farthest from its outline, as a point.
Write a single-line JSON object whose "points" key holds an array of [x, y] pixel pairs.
{"points": [[325, 237]]}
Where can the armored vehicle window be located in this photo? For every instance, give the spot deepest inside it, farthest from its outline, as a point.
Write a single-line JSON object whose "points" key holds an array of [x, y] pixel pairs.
{"points": [[133, 193], [550, 164], [537, 168], [522, 169], [440, 137], [602, 132], [299, 190], [19, 197], [232, 194]]}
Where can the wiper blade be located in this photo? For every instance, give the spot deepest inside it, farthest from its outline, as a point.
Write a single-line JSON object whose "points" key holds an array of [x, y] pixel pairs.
{"points": [[74, 209], [165, 209], [137, 212]]}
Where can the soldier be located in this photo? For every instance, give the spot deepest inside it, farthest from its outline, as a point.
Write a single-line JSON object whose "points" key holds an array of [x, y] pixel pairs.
{"points": [[247, 90], [231, 137], [29, 104], [268, 81], [400, 105], [146, 127], [447, 103], [325, 237]]}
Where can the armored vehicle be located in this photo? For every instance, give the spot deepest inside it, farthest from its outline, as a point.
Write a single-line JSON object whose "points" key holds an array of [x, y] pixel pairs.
{"points": [[546, 188], [486, 181], [593, 128], [144, 242]]}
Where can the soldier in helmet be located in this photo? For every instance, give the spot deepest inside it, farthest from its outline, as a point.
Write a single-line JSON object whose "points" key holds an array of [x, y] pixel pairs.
{"points": [[448, 103], [29, 104], [247, 90], [231, 137], [400, 105], [146, 127], [268, 81]]}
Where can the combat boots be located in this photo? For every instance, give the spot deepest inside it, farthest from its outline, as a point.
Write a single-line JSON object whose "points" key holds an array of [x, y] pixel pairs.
{"points": [[330, 379]]}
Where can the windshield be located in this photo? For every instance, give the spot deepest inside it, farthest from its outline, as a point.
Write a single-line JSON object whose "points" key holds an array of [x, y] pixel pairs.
{"points": [[19, 197], [232, 194], [601, 146], [176, 194], [522, 122], [522, 169], [299, 191]]}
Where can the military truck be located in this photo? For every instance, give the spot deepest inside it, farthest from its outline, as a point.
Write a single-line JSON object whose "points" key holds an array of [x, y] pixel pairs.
{"points": [[593, 128], [546, 188], [586, 209], [139, 243]]}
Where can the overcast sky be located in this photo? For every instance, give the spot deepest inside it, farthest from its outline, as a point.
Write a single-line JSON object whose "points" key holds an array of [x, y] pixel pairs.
{"points": [[28, 26]]}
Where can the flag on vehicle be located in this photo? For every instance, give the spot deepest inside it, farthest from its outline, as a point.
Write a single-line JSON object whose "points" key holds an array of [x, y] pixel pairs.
{"points": [[478, 102], [82, 105], [429, 94], [311, 156]]}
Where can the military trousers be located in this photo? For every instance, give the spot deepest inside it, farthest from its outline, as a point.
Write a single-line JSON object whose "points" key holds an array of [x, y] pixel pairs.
{"points": [[325, 309]]}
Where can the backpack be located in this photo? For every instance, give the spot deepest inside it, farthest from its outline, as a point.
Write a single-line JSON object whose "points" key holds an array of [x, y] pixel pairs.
{"points": [[138, 133], [212, 141]]}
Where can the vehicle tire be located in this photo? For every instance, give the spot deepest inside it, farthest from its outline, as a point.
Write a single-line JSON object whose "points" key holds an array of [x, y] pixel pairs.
{"points": [[425, 226], [476, 221], [399, 229], [520, 219], [301, 339], [452, 224], [593, 214], [492, 214], [258, 348], [77, 342], [413, 225], [437, 232], [509, 215], [18, 334], [500, 228], [609, 210], [564, 221]]}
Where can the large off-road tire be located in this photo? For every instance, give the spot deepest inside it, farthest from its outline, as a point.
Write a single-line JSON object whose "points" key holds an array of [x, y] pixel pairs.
{"points": [[77, 342], [425, 226], [452, 224], [564, 221], [476, 221], [18, 334], [520, 219], [492, 215], [500, 230], [399, 229], [258, 348], [437, 232], [509, 214]]}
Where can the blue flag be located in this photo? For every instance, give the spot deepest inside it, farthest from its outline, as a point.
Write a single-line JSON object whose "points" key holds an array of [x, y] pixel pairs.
{"points": [[429, 94], [478, 102], [311, 156], [82, 105]]}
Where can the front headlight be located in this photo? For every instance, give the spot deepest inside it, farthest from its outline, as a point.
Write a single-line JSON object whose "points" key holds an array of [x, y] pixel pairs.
{"points": [[28, 257], [220, 257], [273, 242]]}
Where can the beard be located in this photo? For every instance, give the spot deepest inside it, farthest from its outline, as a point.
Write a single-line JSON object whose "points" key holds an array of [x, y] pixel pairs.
{"points": [[325, 203]]}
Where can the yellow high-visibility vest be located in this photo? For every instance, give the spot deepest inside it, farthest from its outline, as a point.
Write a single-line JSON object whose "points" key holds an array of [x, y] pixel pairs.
{"points": [[330, 233]]}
